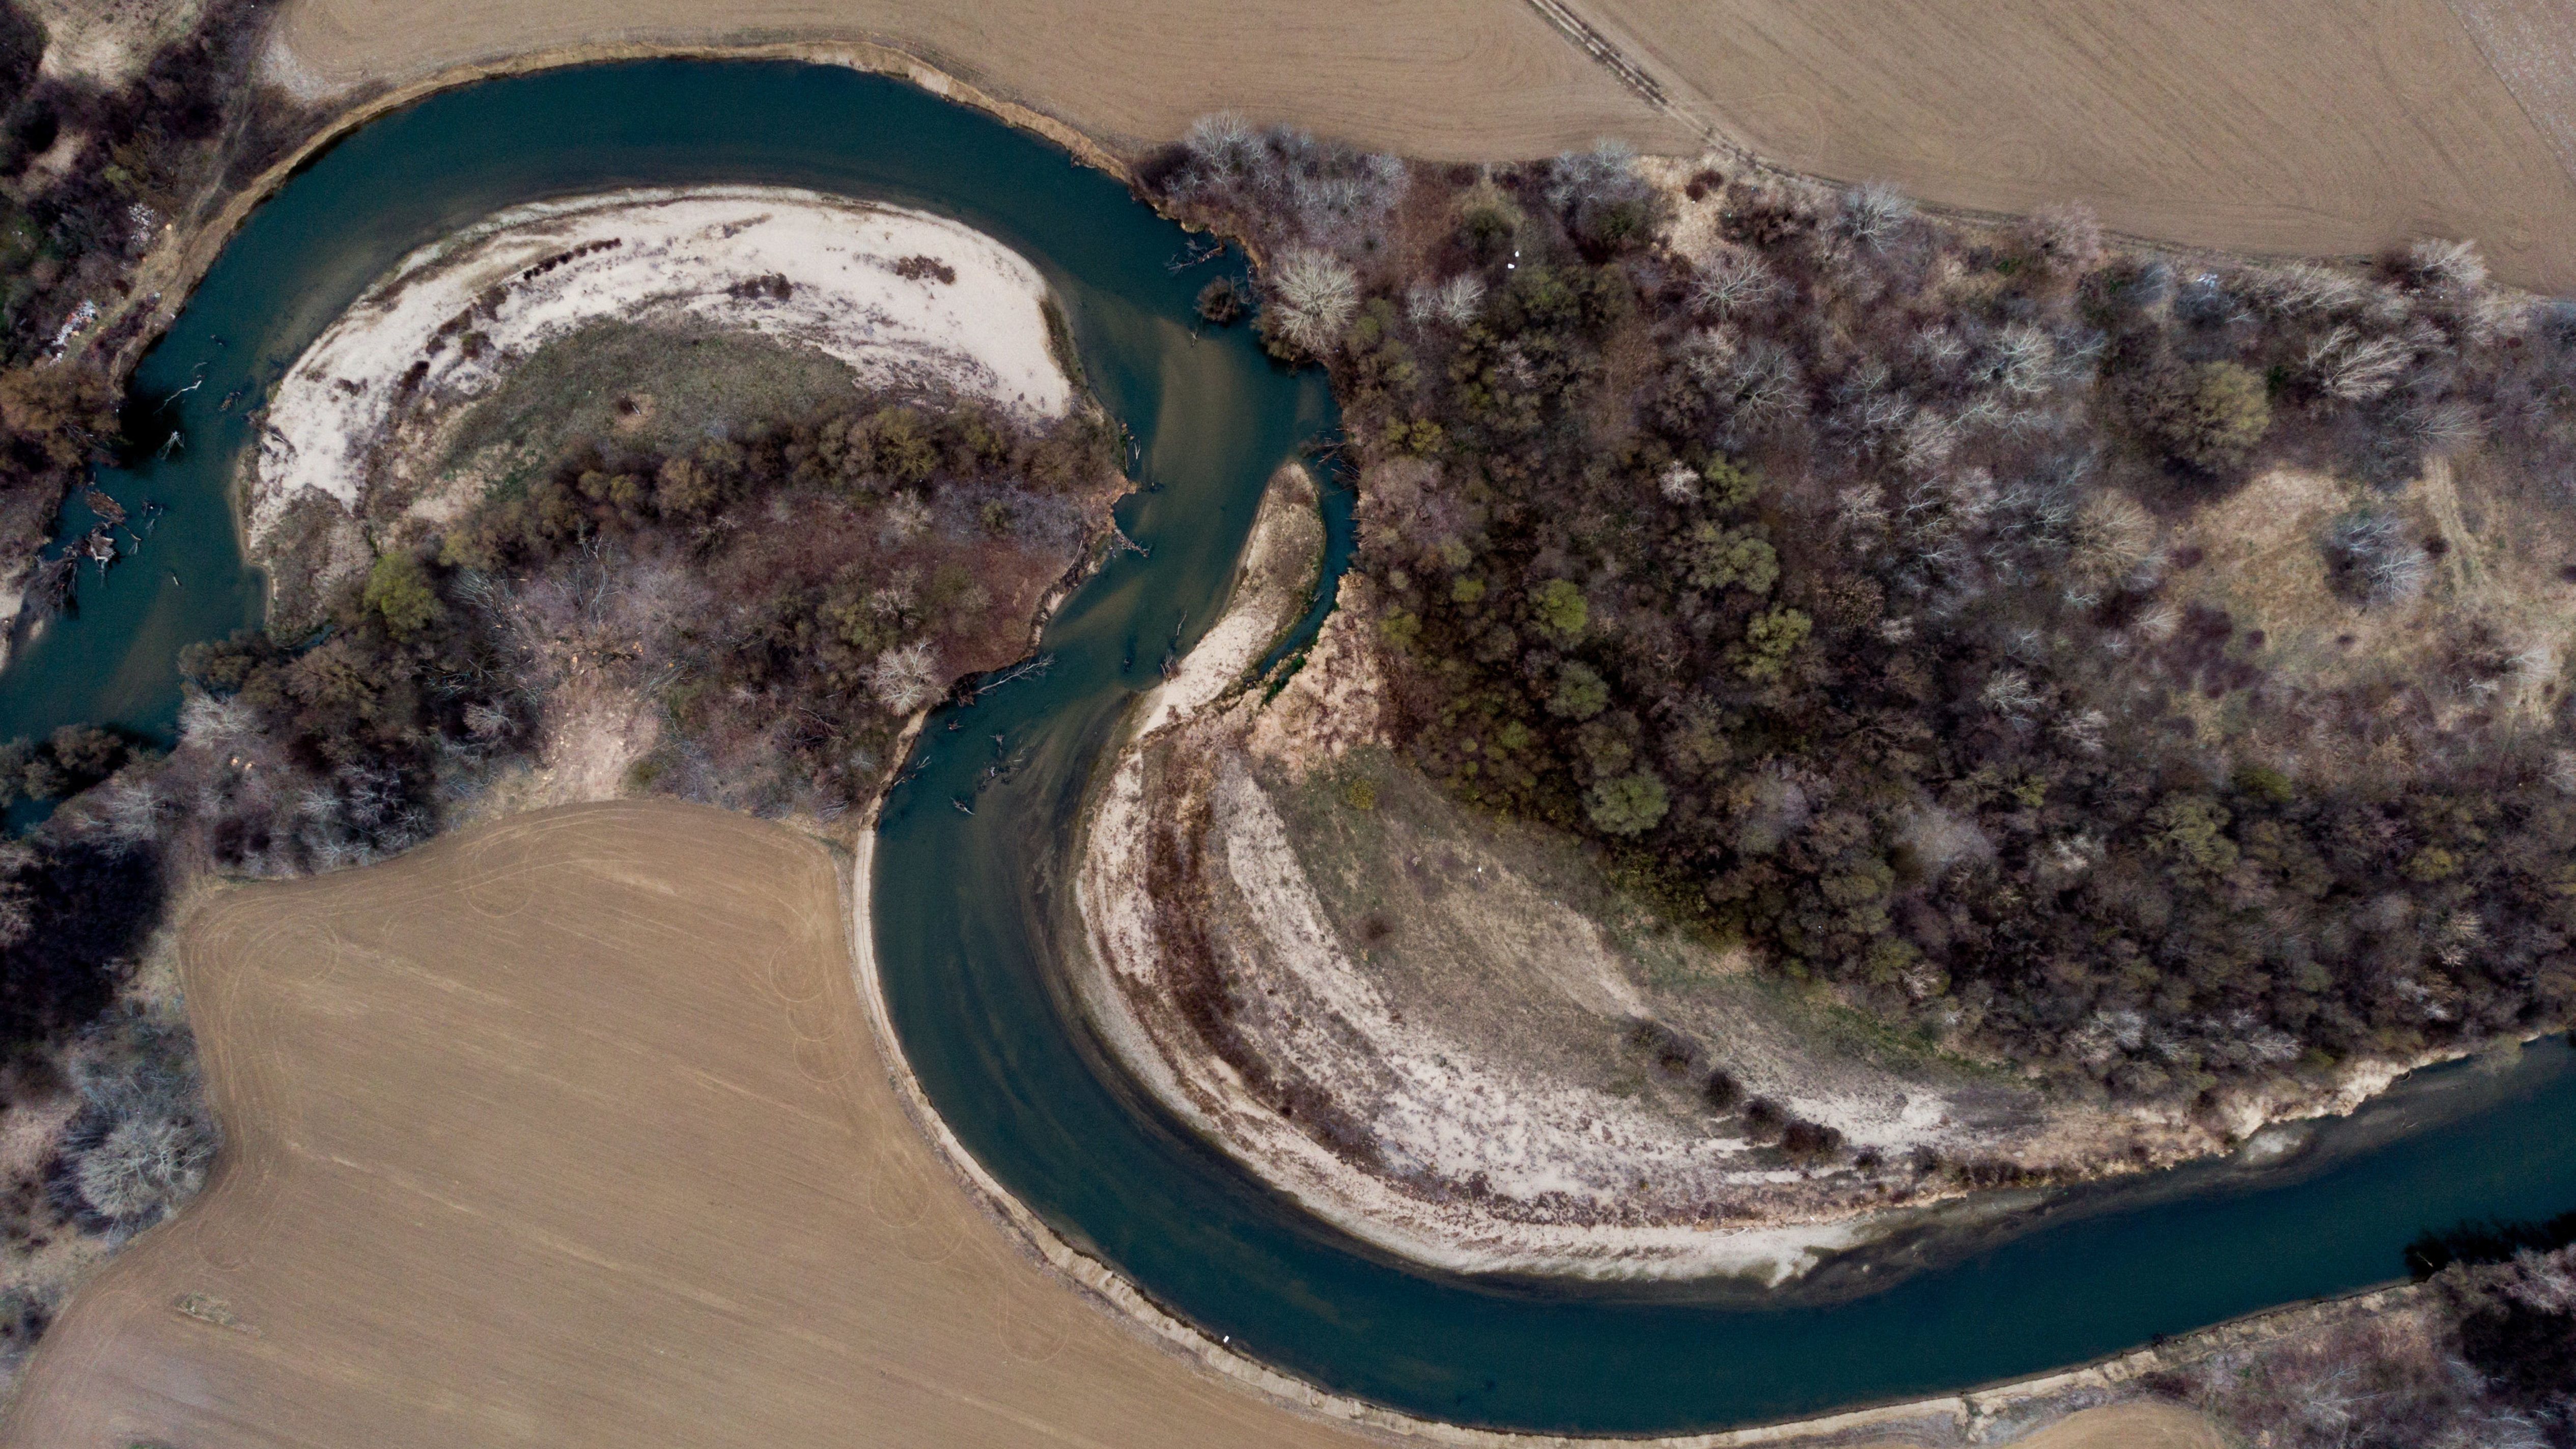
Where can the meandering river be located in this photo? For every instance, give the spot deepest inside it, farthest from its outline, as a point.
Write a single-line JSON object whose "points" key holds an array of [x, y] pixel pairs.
{"points": [[967, 906]]}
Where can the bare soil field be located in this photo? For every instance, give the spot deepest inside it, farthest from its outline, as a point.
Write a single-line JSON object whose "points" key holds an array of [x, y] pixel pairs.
{"points": [[2316, 126], [571, 1131], [1429, 77]]}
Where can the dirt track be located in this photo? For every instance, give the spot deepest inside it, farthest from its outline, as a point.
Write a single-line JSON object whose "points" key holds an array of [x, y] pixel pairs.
{"points": [[2313, 126], [570, 1130]]}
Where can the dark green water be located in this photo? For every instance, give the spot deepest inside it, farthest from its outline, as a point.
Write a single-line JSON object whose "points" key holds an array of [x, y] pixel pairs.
{"points": [[966, 905]]}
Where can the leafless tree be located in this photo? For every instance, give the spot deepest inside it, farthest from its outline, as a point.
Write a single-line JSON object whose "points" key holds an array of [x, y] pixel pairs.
{"points": [[1313, 294], [905, 677], [1454, 302], [2355, 367], [2374, 557], [2064, 239], [1873, 215], [2441, 266], [1730, 281]]}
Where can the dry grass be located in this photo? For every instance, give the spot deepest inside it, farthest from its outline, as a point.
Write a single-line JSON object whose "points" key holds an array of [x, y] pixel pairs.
{"points": [[2130, 1426], [2497, 587], [570, 1131], [108, 41]]}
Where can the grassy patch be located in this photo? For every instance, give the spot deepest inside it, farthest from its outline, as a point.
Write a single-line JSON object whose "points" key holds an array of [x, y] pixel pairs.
{"points": [[654, 389]]}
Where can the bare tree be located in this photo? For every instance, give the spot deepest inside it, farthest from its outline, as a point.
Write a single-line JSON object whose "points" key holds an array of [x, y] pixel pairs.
{"points": [[2441, 266], [2064, 239], [905, 677], [2373, 557], [1873, 215], [1730, 281], [1454, 302], [2348, 365], [1312, 296]]}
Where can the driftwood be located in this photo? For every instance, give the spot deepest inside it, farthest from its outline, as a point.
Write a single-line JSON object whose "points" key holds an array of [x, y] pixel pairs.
{"points": [[49, 589]]}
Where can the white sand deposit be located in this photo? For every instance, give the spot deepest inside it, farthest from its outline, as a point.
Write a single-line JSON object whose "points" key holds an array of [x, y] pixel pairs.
{"points": [[1435, 1115], [1432, 1109], [906, 299]]}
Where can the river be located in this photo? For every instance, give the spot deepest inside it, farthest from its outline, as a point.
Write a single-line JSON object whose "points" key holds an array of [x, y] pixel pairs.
{"points": [[967, 906]]}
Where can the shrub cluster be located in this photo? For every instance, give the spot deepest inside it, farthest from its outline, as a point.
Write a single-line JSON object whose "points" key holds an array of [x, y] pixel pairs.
{"points": [[2482, 1358], [785, 600]]}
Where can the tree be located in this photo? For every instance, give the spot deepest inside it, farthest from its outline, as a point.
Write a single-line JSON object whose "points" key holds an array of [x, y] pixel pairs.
{"points": [[1221, 302], [1874, 215], [2206, 417], [900, 446], [1628, 804], [1561, 610], [1580, 692], [684, 490], [1770, 639], [905, 678], [87, 752], [1717, 558], [2371, 557], [2189, 830], [2063, 240], [1312, 296], [64, 409], [399, 591]]}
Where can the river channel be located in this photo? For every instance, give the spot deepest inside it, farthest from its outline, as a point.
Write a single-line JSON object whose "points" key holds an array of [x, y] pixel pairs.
{"points": [[968, 907]]}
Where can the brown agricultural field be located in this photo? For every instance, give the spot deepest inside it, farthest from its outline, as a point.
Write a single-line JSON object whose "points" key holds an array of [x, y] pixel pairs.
{"points": [[2300, 126], [571, 1130], [1426, 77], [2307, 126]]}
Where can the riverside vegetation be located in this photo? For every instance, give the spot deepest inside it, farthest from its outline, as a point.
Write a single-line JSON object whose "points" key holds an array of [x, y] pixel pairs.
{"points": [[93, 175], [98, 1079], [2140, 671], [1829, 566]]}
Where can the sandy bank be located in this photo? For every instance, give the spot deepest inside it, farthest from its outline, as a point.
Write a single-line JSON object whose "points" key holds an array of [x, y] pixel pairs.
{"points": [[1431, 1113], [906, 299]]}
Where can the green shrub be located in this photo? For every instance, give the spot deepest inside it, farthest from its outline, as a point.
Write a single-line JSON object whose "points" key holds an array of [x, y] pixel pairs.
{"points": [[2206, 417], [399, 592], [1769, 641], [1580, 692], [1628, 804], [1561, 611], [1717, 558]]}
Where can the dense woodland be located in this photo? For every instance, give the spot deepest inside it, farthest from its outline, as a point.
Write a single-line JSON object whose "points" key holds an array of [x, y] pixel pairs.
{"points": [[1816, 574]]}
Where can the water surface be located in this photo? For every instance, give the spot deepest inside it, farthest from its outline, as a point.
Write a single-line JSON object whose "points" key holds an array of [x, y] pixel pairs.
{"points": [[967, 906]]}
